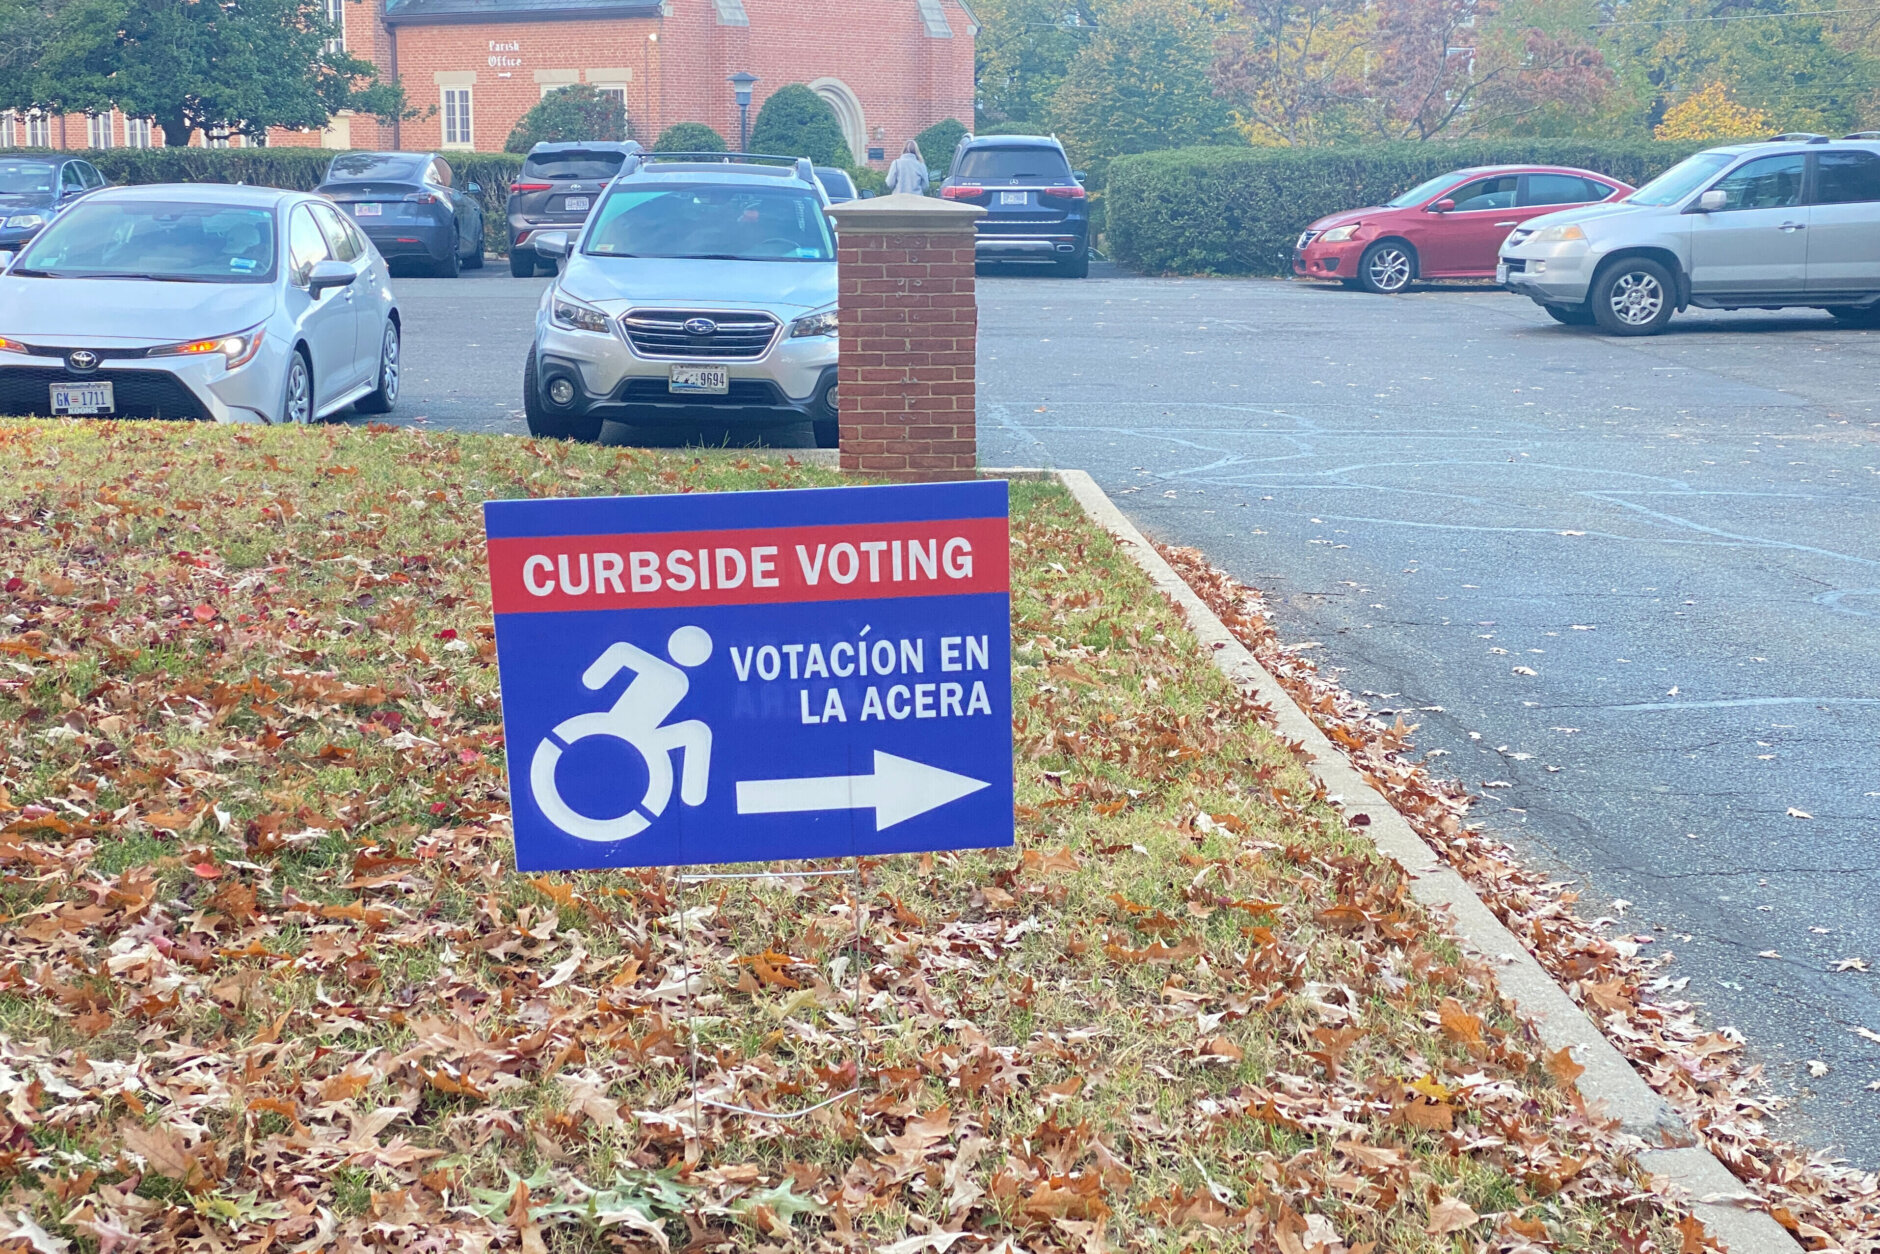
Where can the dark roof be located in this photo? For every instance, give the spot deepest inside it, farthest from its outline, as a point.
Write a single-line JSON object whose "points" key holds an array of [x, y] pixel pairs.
{"points": [[1013, 141], [444, 12]]}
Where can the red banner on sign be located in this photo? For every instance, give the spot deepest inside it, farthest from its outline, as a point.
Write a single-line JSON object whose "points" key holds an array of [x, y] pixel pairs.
{"points": [[853, 561]]}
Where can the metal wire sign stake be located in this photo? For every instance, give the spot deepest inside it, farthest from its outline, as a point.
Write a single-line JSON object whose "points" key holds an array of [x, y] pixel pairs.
{"points": [[755, 677]]}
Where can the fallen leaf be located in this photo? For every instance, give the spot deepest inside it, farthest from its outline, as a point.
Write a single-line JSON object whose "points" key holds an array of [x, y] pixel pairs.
{"points": [[1451, 1214]]}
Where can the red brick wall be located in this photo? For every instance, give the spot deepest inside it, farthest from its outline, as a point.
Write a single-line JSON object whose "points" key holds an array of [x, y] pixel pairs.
{"points": [[906, 378]]}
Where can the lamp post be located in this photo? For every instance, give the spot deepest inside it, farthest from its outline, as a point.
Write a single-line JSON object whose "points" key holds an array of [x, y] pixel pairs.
{"points": [[741, 84]]}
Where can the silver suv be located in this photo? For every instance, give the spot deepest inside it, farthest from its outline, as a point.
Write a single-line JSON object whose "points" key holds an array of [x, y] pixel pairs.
{"points": [[1794, 221], [700, 290]]}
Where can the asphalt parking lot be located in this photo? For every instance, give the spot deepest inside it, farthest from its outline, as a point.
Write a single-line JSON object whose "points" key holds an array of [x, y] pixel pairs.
{"points": [[1627, 588]]}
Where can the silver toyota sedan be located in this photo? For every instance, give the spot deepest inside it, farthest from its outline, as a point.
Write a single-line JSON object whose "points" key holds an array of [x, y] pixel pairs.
{"points": [[198, 301]]}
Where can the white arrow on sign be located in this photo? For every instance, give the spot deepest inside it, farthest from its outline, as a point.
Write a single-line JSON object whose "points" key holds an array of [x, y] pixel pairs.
{"points": [[897, 791]]}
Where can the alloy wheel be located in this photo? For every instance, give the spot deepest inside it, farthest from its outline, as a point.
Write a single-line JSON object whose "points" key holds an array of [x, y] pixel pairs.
{"points": [[1390, 269], [298, 406], [1637, 298], [388, 365]]}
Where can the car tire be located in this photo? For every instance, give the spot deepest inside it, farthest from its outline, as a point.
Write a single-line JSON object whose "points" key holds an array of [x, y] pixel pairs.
{"points": [[381, 399], [547, 265], [1077, 267], [1856, 315], [297, 391], [1387, 267], [476, 258], [450, 267], [1570, 315], [521, 263], [1634, 296], [544, 423]]}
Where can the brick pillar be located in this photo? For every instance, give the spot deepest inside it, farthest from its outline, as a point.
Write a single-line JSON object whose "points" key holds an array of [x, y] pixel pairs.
{"points": [[910, 329]]}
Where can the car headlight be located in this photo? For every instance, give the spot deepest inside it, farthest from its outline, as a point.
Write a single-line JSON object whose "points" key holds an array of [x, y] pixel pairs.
{"points": [[571, 315], [1558, 234], [8, 345], [822, 322], [27, 220], [237, 350], [1339, 234]]}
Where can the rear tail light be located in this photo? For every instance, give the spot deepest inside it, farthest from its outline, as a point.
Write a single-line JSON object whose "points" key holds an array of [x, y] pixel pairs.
{"points": [[420, 198], [531, 187], [962, 193], [1073, 192]]}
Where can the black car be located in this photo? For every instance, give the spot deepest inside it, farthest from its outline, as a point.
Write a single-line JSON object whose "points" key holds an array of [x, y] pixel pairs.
{"points": [[836, 184], [407, 206], [1034, 202], [34, 190], [559, 183]]}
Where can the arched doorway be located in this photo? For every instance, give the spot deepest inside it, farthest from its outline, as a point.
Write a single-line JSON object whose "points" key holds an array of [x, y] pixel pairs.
{"points": [[848, 112]]}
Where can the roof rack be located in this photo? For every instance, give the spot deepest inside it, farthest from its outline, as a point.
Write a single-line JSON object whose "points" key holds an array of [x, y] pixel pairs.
{"points": [[1798, 137], [802, 167]]}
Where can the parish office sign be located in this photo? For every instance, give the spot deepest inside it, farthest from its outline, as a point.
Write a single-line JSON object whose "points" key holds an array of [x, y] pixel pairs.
{"points": [[505, 54]]}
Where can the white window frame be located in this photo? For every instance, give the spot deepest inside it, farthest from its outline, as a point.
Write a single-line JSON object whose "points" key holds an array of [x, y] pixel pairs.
{"points": [[101, 129], [137, 132], [459, 131], [336, 14], [625, 110], [38, 130], [9, 130]]}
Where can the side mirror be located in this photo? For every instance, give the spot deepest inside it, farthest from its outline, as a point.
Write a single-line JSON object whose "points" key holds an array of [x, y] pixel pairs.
{"points": [[1079, 175], [327, 274], [474, 189], [1712, 201], [1442, 206], [551, 244], [868, 195]]}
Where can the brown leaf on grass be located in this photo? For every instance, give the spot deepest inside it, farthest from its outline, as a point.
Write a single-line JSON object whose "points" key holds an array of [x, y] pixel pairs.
{"points": [[163, 1150], [1429, 1116], [1561, 1067], [1219, 1049], [1691, 1236], [1342, 918], [1181, 1210], [1049, 862], [1333, 1043], [1450, 1214], [1188, 947], [1459, 1025], [527, 1230]]}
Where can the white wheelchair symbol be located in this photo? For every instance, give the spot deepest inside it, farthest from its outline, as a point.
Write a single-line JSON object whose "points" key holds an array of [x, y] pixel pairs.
{"points": [[639, 718]]}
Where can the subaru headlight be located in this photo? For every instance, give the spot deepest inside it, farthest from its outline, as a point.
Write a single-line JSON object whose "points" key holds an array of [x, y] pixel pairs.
{"points": [[236, 350], [1339, 234], [822, 322], [27, 221], [1558, 234], [572, 315]]}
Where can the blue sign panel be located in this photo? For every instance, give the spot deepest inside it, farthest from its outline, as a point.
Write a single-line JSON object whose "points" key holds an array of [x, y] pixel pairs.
{"points": [[750, 676]]}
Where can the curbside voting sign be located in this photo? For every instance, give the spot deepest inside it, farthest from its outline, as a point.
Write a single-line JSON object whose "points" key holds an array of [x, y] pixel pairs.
{"points": [[750, 676]]}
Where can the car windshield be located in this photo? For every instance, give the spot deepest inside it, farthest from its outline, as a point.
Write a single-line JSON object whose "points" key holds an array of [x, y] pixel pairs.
{"points": [[182, 242], [360, 167], [836, 182], [575, 163], [24, 178], [1421, 192], [1680, 180], [716, 221], [1013, 165]]}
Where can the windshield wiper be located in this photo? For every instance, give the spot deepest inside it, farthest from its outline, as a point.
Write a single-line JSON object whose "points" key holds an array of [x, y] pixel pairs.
{"points": [[138, 274]]}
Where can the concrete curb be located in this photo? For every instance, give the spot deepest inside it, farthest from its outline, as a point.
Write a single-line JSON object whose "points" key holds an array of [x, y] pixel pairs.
{"points": [[1674, 1154]]}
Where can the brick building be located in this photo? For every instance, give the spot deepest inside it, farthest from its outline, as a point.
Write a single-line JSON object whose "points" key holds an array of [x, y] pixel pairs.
{"points": [[890, 68]]}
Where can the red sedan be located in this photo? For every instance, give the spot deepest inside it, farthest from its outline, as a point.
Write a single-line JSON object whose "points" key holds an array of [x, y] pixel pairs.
{"points": [[1448, 228]]}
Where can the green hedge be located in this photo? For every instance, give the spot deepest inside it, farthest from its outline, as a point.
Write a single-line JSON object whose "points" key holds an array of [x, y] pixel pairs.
{"points": [[298, 168], [1238, 210]]}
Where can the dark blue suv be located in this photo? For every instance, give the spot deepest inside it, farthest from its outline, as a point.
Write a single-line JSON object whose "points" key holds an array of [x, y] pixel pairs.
{"points": [[1035, 205]]}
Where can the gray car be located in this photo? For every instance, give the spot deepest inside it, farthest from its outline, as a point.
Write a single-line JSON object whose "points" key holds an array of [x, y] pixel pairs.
{"points": [[698, 292], [1790, 222], [198, 301], [559, 183]]}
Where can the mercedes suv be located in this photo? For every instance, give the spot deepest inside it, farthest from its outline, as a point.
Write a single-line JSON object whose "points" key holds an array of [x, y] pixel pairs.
{"points": [[701, 289], [1793, 221], [1036, 209]]}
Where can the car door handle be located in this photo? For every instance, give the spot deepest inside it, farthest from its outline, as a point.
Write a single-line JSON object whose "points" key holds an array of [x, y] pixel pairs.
{"points": [[1507, 224], [1793, 226]]}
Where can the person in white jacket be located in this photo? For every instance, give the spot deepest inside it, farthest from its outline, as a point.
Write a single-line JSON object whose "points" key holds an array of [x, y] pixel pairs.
{"points": [[908, 175]]}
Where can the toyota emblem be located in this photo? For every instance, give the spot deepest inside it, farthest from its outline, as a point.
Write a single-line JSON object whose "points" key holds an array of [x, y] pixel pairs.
{"points": [[83, 359], [700, 326]]}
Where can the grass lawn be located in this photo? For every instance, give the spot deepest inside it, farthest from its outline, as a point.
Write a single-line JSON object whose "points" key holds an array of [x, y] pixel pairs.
{"points": [[268, 978]]}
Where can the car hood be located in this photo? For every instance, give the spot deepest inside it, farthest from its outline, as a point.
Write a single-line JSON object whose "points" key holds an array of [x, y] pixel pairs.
{"points": [[1588, 213], [1331, 220], [619, 283], [13, 201], [125, 312]]}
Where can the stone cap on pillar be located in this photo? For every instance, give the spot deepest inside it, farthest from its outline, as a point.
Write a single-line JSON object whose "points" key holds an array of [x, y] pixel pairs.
{"points": [[901, 213]]}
